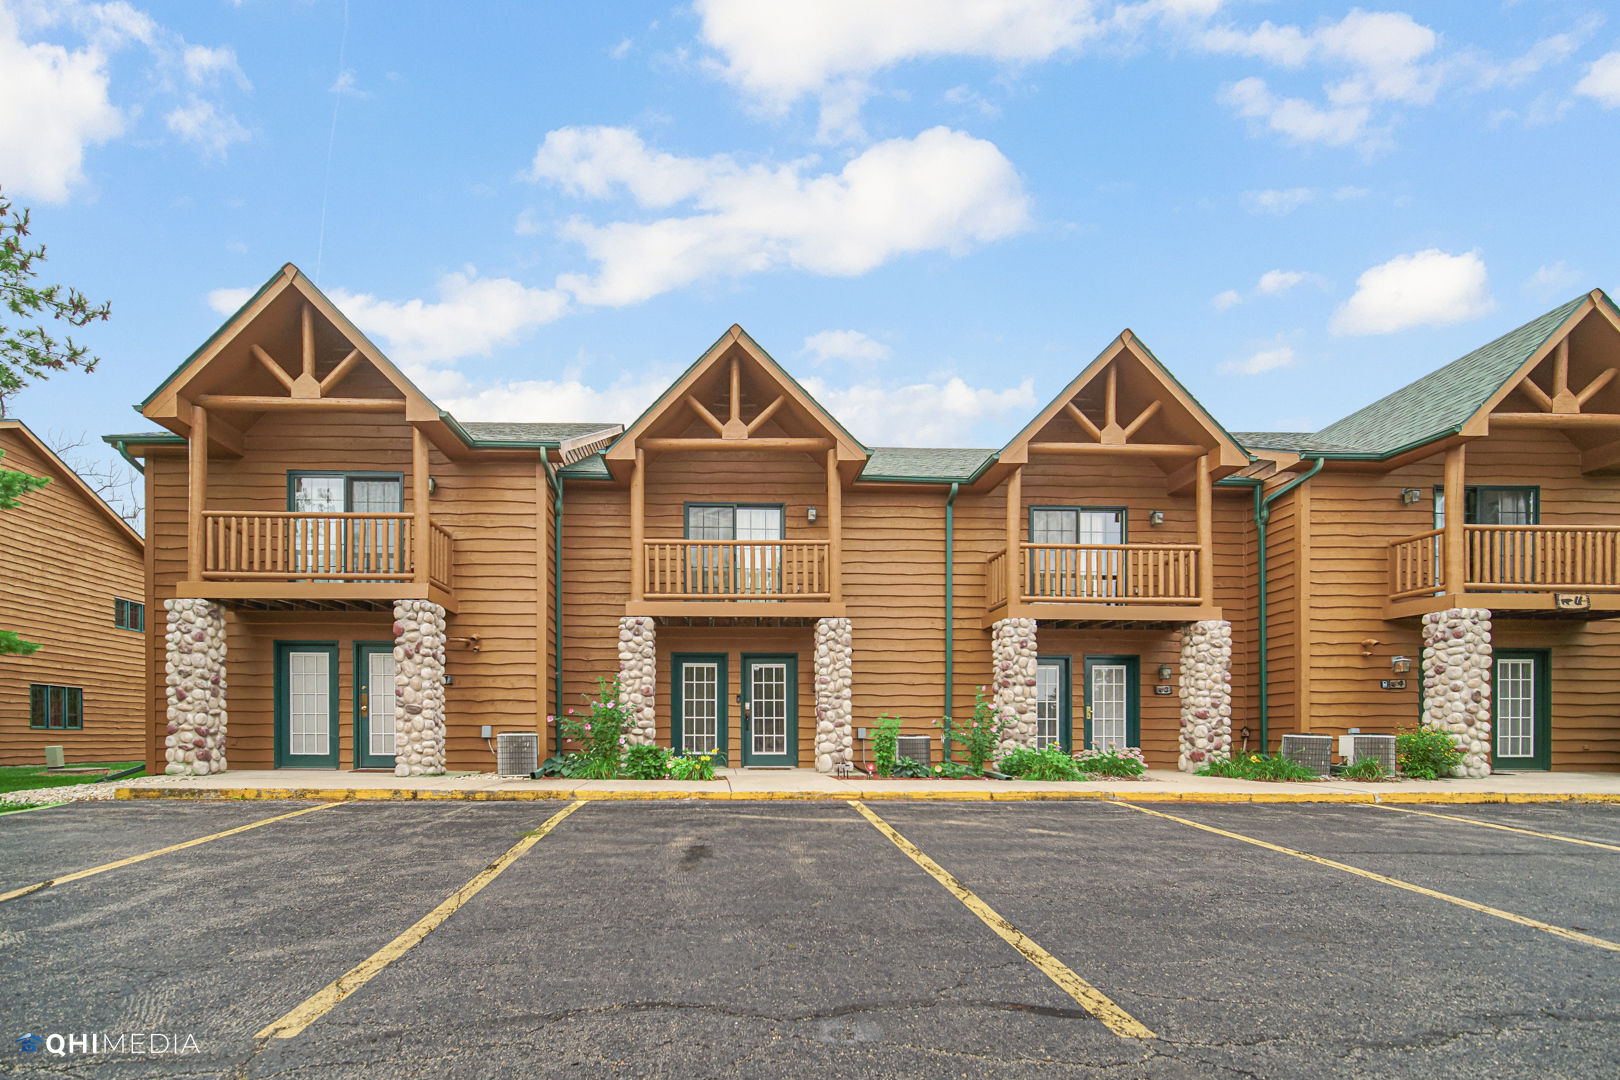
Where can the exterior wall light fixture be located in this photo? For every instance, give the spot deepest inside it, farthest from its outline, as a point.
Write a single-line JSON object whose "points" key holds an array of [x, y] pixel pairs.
{"points": [[1410, 495], [812, 514], [1155, 517], [433, 486], [1164, 672], [1400, 665]]}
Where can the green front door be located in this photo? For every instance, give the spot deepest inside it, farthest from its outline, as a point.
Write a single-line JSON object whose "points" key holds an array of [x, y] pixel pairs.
{"points": [[1521, 710], [306, 691], [698, 704], [770, 720], [1113, 702], [374, 705], [1054, 725]]}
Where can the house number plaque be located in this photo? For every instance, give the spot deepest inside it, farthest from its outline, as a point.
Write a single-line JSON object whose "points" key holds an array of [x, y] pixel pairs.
{"points": [[1572, 601]]}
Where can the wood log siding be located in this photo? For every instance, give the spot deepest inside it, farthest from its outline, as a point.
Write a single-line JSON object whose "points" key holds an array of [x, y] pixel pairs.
{"points": [[296, 546], [1117, 573], [737, 569], [441, 558], [1511, 558]]}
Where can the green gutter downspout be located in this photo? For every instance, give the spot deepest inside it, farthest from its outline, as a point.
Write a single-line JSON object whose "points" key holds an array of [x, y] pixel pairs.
{"points": [[950, 604], [556, 584], [1262, 515]]}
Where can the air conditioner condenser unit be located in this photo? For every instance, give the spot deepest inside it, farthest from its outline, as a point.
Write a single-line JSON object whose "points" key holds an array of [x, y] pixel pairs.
{"points": [[1315, 752], [1354, 748], [517, 753]]}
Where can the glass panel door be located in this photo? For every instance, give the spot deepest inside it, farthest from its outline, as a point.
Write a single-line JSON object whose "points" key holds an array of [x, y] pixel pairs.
{"points": [[1108, 706], [1521, 711], [770, 711], [306, 705], [1052, 713], [375, 729], [700, 708]]}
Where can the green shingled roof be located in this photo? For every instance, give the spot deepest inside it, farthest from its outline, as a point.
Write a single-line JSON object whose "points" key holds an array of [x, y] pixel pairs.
{"points": [[590, 468], [913, 463], [1442, 401], [1296, 442], [528, 433]]}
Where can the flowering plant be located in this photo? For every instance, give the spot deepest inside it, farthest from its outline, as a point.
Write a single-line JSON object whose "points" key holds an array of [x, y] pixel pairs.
{"points": [[692, 767], [980, 737], [600, 733], [1112, 761]]}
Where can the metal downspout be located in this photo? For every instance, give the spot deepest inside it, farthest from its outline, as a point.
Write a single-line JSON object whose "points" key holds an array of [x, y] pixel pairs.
{"points": [[556, 586], [950, 605], [1262, 515]]}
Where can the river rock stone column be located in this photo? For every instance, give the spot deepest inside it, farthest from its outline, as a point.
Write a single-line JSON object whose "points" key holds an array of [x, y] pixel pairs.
{"points": [[638, 678], [195, 674], [1206, 693], [1014, 653], [1457, 683], [835, 670], [418, 688]]}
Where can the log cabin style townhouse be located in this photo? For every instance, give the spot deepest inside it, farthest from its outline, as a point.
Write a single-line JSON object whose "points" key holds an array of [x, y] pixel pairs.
{"points": [[351, 578]]}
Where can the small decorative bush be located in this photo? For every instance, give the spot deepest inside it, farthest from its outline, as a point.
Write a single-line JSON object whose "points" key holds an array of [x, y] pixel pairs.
{"points": [[1426, 754], [980, 737], [1368, 769], [908, 769], [646, 763], [953, 770], [1257, 767], [599, 733], [884, 734], [692, 767], [1049, 764], [1126, 761]]}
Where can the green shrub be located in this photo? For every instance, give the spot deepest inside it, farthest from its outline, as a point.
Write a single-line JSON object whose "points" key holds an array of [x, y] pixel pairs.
{"points": [[953, 770], [1257, 767], [1111, 762], [1426, 754], [884, 734], [600, 732], [980, 737], [1366, 769], [568, 766], [646, 763], [692, 767], [909, 769], [1049, 764]]}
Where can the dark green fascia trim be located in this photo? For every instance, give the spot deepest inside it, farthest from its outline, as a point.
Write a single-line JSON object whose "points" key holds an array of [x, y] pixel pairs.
{"points": [[122, 443], [984, 467], [1347, 455], [1190, 395]]}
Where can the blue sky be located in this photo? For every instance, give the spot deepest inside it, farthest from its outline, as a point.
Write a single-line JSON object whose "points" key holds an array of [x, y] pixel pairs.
{"points": [[934, 212]]}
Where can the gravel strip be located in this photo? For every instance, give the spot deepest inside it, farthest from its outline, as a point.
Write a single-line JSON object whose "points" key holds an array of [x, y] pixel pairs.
{"points": [[81, 792]]}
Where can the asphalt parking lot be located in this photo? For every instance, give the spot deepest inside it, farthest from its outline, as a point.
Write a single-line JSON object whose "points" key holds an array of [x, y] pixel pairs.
{"points": [[789, 939]]}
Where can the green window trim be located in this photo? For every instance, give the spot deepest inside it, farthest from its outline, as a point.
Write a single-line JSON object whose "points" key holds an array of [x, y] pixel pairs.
{"points": [[1123, 512], [55, 708], [687, 508], [1474, 494], [348, 478], [129, 615]]}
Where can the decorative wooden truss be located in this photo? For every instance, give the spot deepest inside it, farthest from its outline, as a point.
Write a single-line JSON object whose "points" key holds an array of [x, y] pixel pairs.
{"points": [[1111, 438]]}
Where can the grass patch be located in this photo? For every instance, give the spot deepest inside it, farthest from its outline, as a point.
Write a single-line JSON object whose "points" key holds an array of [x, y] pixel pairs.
{"points": [[29, 777], [1257, 767]]}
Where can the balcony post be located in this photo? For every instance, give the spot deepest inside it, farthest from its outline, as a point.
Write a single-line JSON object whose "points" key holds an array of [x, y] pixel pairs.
{"points": [[835, 529], [1206, 535], [1456, 538], [421, 549], [1015, 529], [196, 491], [638, 526]]}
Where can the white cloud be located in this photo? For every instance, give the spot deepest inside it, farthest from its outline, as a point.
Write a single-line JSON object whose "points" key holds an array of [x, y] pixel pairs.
{"points": [[1602, 81], [56, 104], [1271, 283], [1555, 280], [1429, 288], [227, 301], [210, 129], [1258, 363], [1231, 298], [845, 345], [780, 52], [563, 400], [1295, 117], [934, 413], [942, 191], [1272, 201], [473, 316], [204, 65]]}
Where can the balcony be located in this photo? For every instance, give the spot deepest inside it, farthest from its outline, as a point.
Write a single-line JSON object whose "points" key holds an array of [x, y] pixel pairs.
{"points": [[302, 560], [1571, 571], [1099, 583], [769, 578]]}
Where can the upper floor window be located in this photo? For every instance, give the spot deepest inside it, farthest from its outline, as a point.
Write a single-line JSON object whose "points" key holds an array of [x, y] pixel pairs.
{"points": [[1077, 525], [129, 615], [59, 707], [339, 493], [1488, 505], [732, 521]]}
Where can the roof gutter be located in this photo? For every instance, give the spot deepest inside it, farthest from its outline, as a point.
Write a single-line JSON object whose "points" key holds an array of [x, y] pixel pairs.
{"points": [[556, 482], [950, 608]]}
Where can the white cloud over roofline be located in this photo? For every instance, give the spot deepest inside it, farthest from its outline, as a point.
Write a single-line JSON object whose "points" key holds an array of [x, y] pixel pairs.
{"points": [[1427, 288]]}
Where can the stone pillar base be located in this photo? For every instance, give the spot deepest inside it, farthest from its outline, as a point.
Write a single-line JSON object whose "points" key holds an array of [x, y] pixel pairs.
{"points": [[1206, 694], [1457, 683], [835, 666], [195, 674], [638, 678], [1014, 653], [418, 688]]}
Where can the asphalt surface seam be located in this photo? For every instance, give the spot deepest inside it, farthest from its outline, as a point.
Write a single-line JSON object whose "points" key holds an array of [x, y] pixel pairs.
{"points": [[102, 869], [1091, 999], [1536, 924], [322, 1001], [1504, 828]]}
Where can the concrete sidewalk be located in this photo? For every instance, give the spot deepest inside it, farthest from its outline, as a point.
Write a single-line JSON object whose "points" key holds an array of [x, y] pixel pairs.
{"points": [[766, 784]]}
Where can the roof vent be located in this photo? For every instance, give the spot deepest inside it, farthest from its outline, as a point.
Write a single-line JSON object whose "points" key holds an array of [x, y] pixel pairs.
{"points": [[581, 447]]}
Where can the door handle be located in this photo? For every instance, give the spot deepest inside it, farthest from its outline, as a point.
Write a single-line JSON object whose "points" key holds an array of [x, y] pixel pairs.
{"points": [[1088, 712], [365, 703]]}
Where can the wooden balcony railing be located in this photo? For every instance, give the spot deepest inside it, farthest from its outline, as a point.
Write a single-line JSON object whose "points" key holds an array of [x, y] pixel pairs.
{"points": [[255, 546], [736, 569], [1510, 558], [1099, 573]]}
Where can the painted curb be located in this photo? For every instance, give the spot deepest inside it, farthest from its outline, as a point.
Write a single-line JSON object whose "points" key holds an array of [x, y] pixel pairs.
{"points": [[1451, 798]]}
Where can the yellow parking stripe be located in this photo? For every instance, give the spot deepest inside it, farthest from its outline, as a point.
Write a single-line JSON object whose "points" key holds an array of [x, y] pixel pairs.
{"points": [[1090, 998], [323, 1000], [1494, 825], [1535, 924], [65, 878]]}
